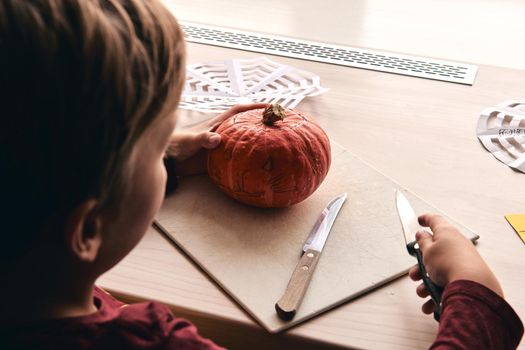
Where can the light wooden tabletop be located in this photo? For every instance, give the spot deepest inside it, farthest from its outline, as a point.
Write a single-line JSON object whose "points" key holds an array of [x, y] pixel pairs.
{"points": [[419, 132]]}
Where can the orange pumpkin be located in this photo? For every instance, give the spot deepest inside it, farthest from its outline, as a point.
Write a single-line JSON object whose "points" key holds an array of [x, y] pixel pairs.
{"points": [[270, 158]]}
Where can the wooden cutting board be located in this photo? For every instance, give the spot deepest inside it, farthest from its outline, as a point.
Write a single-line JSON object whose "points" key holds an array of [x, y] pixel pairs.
{"points": [[251, 252]]}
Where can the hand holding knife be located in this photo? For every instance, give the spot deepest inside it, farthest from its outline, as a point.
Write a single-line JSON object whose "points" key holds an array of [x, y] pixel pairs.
{"points": [[410, 227], [288, 304]]}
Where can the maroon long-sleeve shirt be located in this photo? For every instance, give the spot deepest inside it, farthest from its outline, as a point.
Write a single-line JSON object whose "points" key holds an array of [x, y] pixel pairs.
{"points": [[473, 317], [114, 326]]}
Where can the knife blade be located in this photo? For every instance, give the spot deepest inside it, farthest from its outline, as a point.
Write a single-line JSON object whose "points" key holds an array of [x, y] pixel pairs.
{"points": [[410, 226], [288, 304]]}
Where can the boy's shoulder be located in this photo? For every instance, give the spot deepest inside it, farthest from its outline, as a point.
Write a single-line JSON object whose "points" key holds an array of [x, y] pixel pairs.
{"points": [[115, 325]]}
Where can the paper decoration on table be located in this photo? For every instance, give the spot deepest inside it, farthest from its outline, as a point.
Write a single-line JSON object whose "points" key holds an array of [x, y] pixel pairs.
{"points": [[501, 129], [517, 221], [218, 85]]}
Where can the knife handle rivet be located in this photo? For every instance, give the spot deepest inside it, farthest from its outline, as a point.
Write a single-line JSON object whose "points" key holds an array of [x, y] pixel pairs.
{"points": [[310, 255], [305, 267]]}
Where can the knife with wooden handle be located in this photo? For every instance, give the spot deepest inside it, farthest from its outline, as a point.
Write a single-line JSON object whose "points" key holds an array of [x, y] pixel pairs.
{"points": [[288, 304]]}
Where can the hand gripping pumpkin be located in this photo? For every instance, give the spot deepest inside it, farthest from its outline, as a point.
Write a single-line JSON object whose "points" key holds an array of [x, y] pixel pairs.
{"points": [[271, 157]]}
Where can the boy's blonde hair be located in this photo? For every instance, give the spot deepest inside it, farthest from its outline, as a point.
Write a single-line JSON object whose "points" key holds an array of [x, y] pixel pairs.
{"points": [[81, 80]]}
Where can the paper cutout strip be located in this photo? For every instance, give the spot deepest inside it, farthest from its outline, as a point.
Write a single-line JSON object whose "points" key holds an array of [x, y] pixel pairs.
{"points": [[501, 129], [216, 86]]}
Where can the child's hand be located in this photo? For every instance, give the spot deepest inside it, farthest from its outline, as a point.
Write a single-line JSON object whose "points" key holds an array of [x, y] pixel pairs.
{"points": [[188, 147], [449, 256]]}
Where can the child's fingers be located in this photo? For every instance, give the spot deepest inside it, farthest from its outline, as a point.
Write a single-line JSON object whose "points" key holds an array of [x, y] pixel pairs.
{"points": [[209, 140], [422, 291], [215, 122], [428, 307], [186, 144], [424, 240], [414, 273], [246, 107], [433, 221]]}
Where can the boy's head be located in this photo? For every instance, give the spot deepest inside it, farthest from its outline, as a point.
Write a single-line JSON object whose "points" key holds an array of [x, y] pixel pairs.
{"points": [[88, 90]]}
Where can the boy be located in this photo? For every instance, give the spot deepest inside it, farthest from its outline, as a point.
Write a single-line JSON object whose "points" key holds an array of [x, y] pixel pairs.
{"points": [[88, 91], [474, 313]]}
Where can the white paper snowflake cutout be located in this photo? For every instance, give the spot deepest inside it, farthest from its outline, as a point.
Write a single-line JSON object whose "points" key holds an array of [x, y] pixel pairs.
{"points": [[501, 130], [218, 85]]}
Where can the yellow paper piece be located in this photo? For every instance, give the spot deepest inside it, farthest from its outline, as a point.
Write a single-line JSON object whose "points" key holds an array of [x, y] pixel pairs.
{"points": [[518, 222]]}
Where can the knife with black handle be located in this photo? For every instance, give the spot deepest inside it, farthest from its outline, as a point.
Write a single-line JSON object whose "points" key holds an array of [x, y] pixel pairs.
{"points": [[410, 226]]}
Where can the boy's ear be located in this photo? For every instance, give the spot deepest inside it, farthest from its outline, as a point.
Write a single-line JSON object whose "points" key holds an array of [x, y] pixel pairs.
{"points": [[83, 231]]}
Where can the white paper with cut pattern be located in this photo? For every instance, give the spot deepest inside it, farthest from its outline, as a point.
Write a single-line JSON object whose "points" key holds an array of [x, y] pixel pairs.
{"points": [[218, 85], [501, 129]]}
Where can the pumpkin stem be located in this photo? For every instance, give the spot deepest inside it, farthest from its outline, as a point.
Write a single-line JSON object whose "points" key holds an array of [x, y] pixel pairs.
{"points": [[273, 113]]}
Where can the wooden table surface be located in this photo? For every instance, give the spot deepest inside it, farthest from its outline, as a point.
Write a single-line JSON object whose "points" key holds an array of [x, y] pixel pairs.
{"points": [[419, 132]]}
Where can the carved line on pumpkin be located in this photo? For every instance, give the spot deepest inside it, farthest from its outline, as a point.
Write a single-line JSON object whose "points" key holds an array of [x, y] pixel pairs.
{"points": [[355, 57]]}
